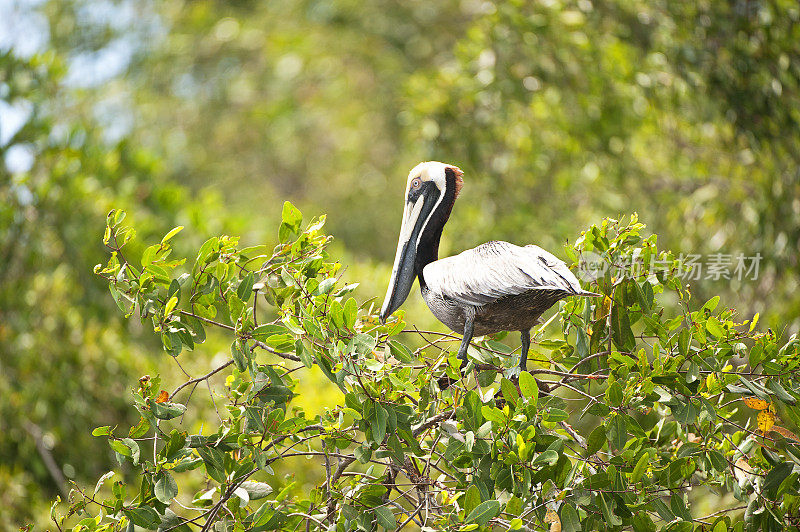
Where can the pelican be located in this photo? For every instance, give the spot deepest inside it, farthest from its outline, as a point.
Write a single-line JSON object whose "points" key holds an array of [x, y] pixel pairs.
{"points": [[494, 287]]}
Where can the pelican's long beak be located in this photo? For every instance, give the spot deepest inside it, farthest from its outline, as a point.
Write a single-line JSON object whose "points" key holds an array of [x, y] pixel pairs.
{"points": [[403, 271]]}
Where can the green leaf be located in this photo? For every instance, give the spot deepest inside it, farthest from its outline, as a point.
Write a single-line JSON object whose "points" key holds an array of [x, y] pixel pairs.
{"points": [[350, 312], [175, 443], [718, 460], [379, 428], [173, 522], [554, 415], [662, 509], [140, 429], [607, 505], [598, 481], [167, 410], [755, 389], [484, 512], [640, 467], [614, 394], [677, 504], [494, 414], [363, 344], [171, 234], [284, 232], [144, 516], [721, 524], [471, 499], [513, 506], [120, 447], [305, 355], [621, 332], [582, 344], [643, 523], [509, 391], [396, 448], [400, 351], [549, 457], [102, 431], [617, 432], [711, 304], [569, 519], [325, 286], [776, 476], [245, 289], [131, 445], [596, 440], [117, 297], [363, 453], [714, 327], [238, 356], [291, 216], [644, 302], [256, 490], [236, 307], [214, 460], [780, 391], [336, 314], [385, 518], [166, 488], [148, 255], [262, 332], [528, 387]]}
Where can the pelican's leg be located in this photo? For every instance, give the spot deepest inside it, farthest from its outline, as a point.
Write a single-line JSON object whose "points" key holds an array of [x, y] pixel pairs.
{"points": [[469, 327], [526, 344]]}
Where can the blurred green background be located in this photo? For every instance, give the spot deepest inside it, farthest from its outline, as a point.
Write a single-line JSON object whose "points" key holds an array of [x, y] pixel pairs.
{"points": [[210, 114]]}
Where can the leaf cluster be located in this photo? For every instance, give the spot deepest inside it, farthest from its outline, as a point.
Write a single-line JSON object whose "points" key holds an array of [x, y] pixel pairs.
{"points": [[624, 416]]}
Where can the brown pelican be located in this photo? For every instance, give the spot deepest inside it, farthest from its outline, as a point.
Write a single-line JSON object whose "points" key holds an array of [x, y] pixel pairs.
{"points": [[494, 287]]}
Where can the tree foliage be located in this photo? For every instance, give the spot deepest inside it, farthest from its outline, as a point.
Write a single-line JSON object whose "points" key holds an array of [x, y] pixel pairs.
{"points": [[560, 112], [668, 404]]}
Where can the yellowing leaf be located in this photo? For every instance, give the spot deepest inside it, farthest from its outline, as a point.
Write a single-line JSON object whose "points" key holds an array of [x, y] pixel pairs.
{"points": [[754, 322], [786, 433], [766, 420], [170, 306], [755, 403], [555, 522], [163, 397], [601, 311]]}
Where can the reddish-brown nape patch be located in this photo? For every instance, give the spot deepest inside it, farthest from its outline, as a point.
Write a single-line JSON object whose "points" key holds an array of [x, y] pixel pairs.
{"points": [[459, 181]]}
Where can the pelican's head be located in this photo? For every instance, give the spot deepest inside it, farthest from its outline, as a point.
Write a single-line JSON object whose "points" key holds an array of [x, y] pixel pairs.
{"points": [[431, 189]]}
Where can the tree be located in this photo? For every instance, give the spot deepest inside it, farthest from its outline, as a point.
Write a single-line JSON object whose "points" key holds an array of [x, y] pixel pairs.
{"points": [[61, 339], [65, 352], [626, 414]]}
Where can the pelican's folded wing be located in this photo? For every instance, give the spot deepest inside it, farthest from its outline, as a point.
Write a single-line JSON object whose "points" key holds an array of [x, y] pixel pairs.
{"points": [[497, 269]]}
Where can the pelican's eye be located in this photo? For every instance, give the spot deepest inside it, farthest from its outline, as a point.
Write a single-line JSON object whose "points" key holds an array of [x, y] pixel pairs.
{"points": [[416, 183]]}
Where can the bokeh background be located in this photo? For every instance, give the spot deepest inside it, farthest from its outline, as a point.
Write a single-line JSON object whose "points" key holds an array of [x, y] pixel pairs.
{"points": [[209, 114]]}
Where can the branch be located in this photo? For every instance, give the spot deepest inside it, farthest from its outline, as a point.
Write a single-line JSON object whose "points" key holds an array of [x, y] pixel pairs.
{"points": [[200, 379], [287, 356], [47, 457], [432, 421]]}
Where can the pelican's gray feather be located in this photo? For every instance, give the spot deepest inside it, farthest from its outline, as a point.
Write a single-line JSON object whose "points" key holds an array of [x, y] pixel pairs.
{"points": [[497, 269]]}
